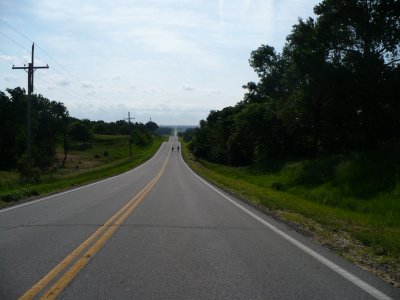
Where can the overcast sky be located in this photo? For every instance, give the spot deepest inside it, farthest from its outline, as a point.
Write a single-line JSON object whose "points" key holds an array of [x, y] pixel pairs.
{"points": [[171, 60]]}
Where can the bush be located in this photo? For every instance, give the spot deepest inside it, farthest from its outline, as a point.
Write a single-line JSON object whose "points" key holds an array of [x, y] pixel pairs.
{"points": [[27, 172], [141, 138], [15, 196], [278, 186]]}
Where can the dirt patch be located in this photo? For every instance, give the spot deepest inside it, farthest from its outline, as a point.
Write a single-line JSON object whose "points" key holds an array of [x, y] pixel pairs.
{"points": [[78, 162]]}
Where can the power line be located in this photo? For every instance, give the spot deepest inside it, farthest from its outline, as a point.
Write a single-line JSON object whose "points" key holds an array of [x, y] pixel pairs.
{"points": [[7, 54], [47, 54], [61, 66], [15, 42], [65, 89], [77, 93], [46, 80], [21, 34]]}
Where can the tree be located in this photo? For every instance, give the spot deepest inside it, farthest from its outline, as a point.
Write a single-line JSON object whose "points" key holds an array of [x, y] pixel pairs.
{"points": [[333, 88], [79, 132], [140, 136], [187, 135], [269, 67], [151, 127], [13, 130], [46, 118], [62, 122], [364, 40]]}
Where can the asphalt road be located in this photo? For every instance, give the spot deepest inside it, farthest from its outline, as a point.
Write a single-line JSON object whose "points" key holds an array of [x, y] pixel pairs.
{"points": [[160, 232]]}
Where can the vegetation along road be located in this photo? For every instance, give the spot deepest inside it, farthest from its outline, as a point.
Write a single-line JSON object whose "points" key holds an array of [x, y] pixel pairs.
{"points": [[160, 231]]}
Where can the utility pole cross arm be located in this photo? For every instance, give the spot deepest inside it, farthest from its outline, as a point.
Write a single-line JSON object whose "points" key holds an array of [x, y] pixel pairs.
{"points": [[43, 67], [130, 138], [31, 68]]}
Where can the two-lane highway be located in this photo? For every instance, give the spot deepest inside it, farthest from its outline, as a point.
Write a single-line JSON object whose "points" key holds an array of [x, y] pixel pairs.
{"points": [[161, 232]]}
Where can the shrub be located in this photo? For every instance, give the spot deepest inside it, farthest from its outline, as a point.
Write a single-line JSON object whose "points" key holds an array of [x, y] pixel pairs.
{"points": [[27, 172]]}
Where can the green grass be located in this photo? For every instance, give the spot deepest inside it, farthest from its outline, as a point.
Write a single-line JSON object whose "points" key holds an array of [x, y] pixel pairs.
{"points": [[354, 195], [81, 167]]}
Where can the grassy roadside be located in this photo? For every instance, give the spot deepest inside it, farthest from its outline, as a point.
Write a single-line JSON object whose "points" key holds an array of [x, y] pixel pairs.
{"points": [[366, 233], [107, 157]]}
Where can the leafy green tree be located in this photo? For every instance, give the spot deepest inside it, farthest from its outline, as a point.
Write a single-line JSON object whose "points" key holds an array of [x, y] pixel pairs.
{"points": [[13, 127], [140, 136], [46, 118], [269, 67], [164, 130], [333, 88], [61, 114], [151, 127], [100, 127], [187, 135], [79, 132], [364, 39]]}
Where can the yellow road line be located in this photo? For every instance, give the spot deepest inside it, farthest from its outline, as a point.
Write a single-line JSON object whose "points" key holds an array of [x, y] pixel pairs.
{"points": [[75, 253], [122, 214]]}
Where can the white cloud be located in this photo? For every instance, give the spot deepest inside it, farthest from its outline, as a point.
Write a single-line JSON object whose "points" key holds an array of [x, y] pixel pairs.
{"points": [[106, 14], [162, 40], [161, 58]]}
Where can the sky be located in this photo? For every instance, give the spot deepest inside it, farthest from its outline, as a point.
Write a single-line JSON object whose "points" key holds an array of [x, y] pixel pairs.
{"points": [[169, 60]]}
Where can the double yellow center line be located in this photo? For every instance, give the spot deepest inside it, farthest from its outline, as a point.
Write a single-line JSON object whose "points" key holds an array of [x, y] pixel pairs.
{"points": [[96, 241]]}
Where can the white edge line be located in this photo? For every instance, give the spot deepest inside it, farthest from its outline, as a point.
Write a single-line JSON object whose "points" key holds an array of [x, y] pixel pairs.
{"points": [[81, 187], [339, 270]]}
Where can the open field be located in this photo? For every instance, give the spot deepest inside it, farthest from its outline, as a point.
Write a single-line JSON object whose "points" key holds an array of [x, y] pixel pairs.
{"points": [[107, 156], [350, 203]]}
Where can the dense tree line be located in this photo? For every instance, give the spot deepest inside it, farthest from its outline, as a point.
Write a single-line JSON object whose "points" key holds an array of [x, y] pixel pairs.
{"points": [[164, 130], [122, 127], [333, 88], [52, 126], [141, 133], [49, 122]]}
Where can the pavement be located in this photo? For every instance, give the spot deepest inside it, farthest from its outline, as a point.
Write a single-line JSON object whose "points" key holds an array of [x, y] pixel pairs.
{"points": [[161, 232]]}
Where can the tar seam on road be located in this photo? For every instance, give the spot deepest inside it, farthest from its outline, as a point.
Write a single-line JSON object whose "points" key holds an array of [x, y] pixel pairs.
{"points": [[78, 188], [96, 240], [331, 265]]}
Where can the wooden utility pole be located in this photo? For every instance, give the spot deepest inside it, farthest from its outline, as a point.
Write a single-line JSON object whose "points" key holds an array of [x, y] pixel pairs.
{"points": [[130, 137], [30, 69]]}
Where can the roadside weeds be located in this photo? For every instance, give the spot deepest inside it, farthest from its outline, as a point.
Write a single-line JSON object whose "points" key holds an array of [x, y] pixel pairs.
{"points": [[337, 238]]}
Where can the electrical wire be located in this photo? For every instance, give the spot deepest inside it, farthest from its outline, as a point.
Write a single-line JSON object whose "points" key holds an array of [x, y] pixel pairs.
{"points": [[50, 56], [20, 33], [64, 71], [7, 54], [68, 93], [15, 42], [56, 85]]}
